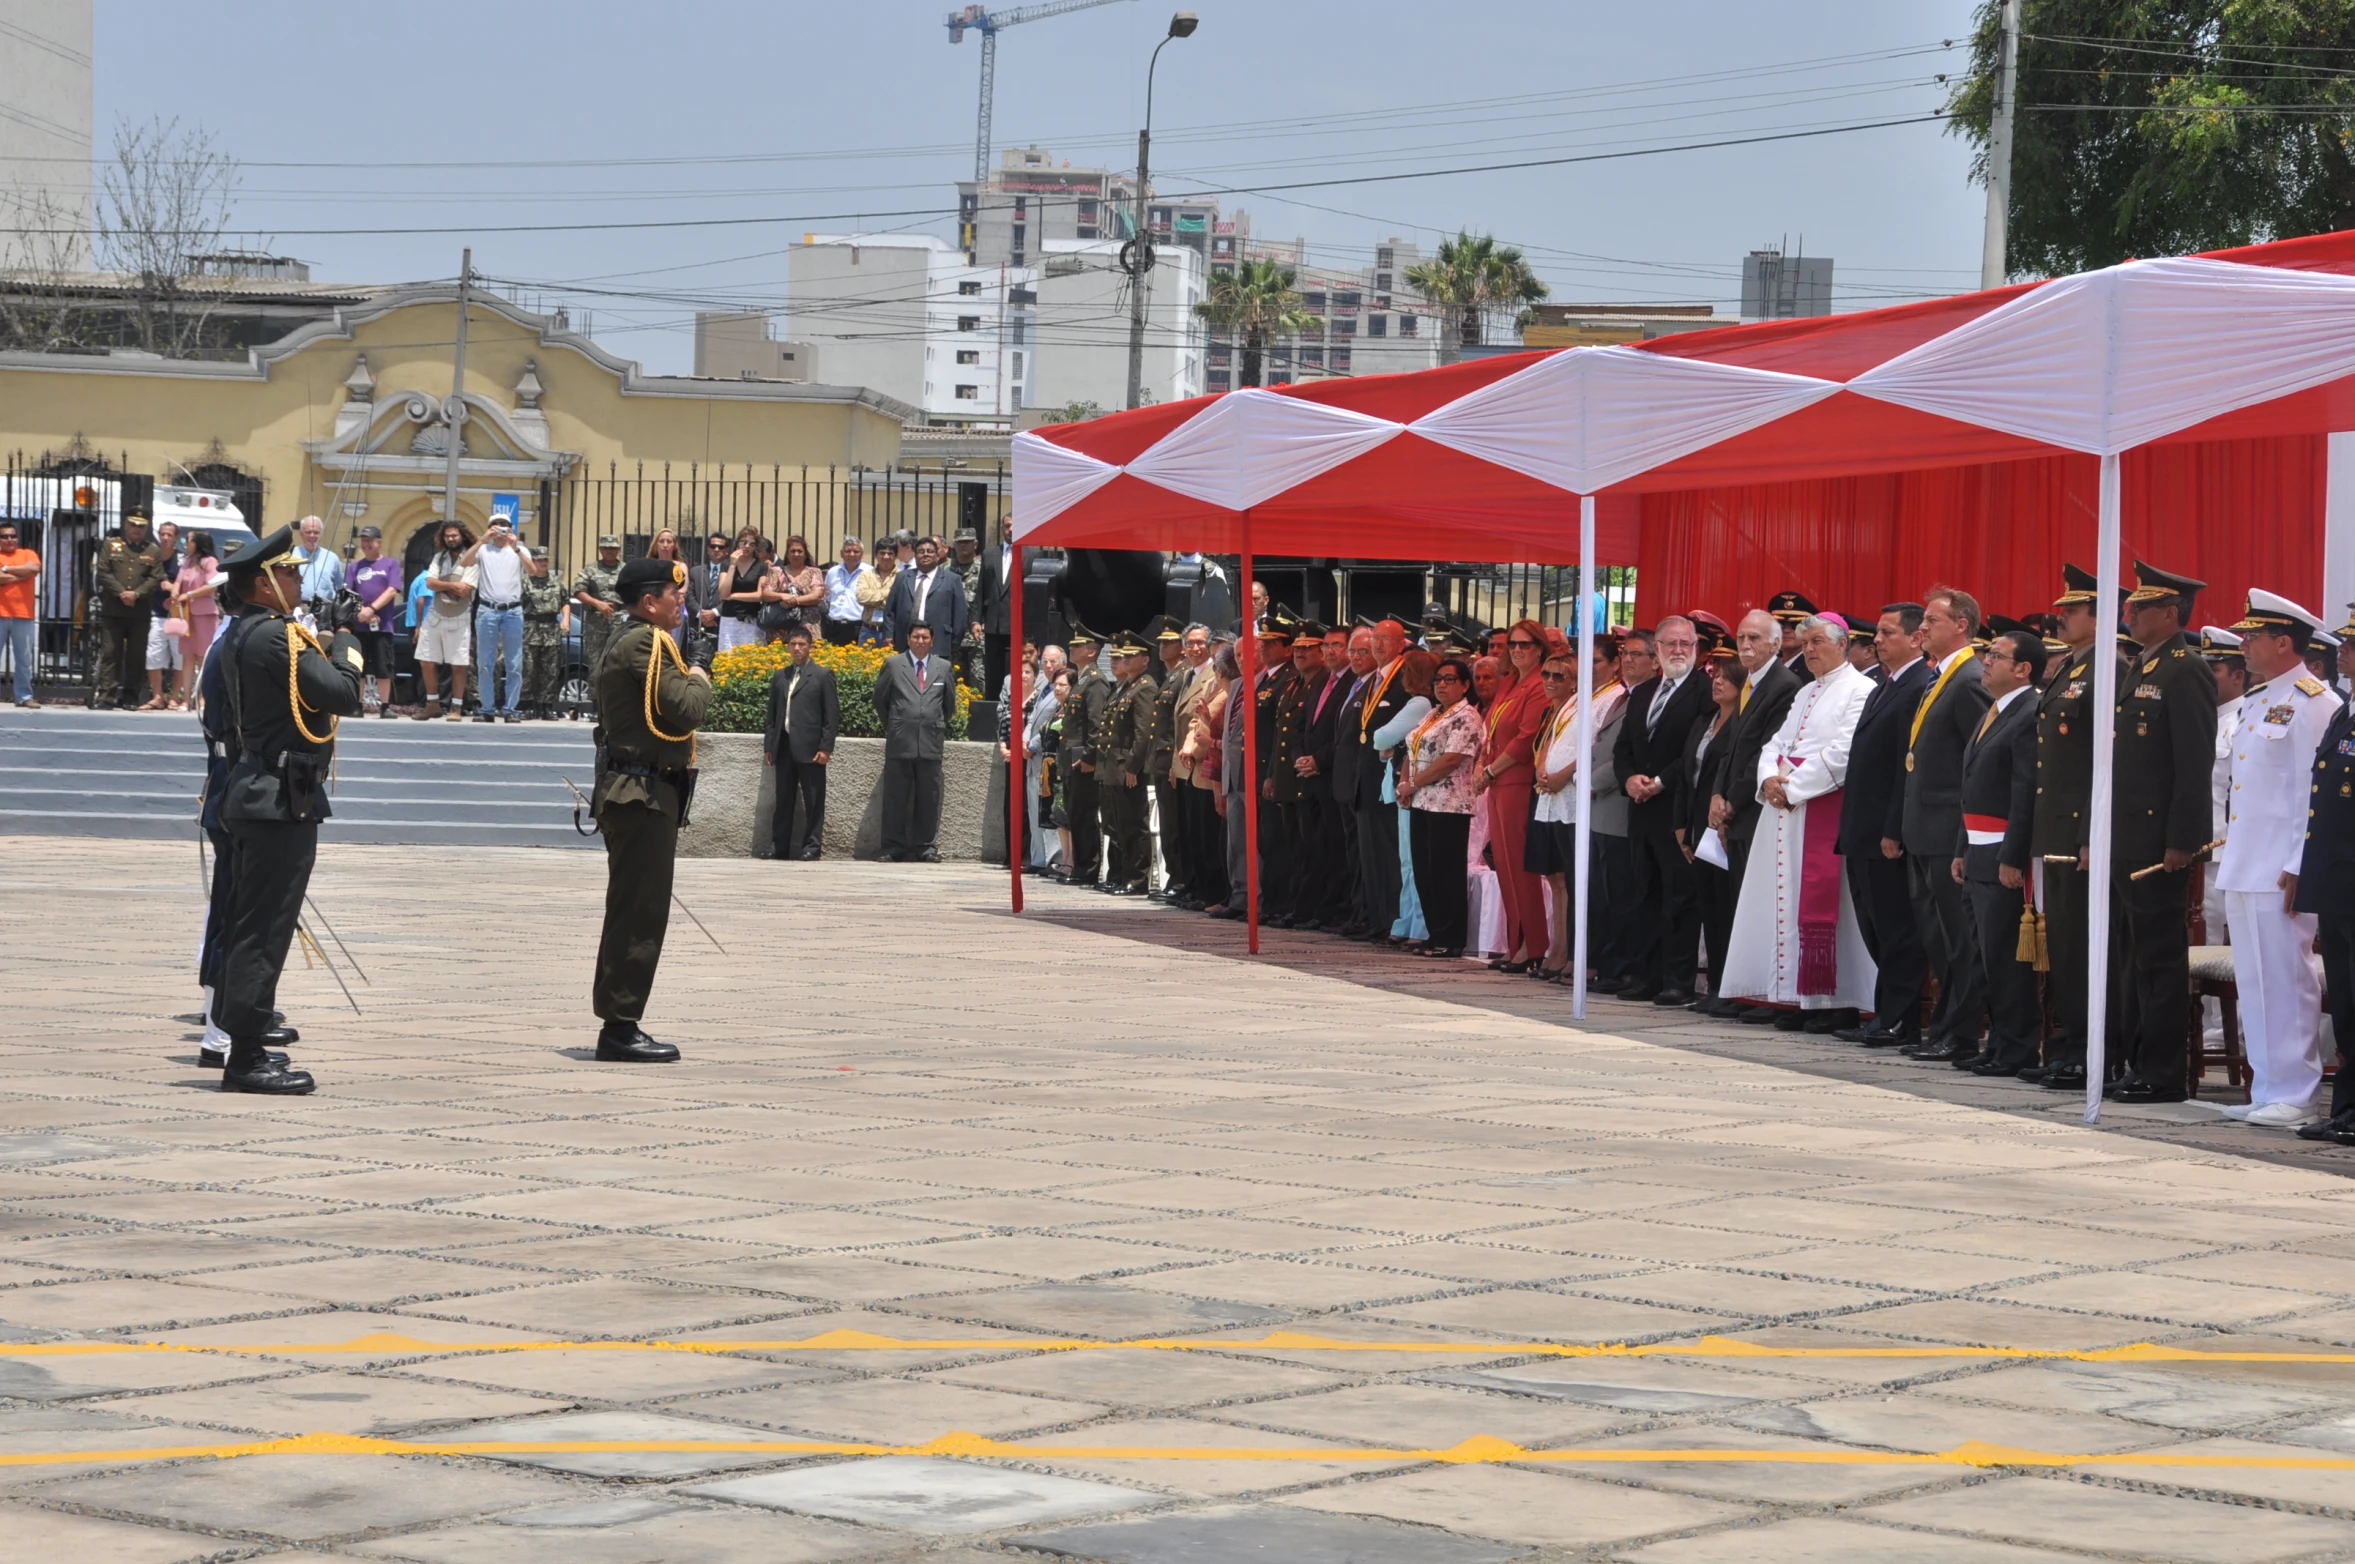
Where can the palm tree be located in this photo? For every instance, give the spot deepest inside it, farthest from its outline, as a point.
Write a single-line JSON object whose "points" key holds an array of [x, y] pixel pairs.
{"points": [[1257, 302], [1467, 277]]}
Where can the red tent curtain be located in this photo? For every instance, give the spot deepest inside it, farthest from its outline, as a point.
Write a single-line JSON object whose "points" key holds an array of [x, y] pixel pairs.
{"points": [[2235, 513]]}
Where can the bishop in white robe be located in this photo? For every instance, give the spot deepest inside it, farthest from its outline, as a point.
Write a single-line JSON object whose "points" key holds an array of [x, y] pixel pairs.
{"points": [[1785, 949]]}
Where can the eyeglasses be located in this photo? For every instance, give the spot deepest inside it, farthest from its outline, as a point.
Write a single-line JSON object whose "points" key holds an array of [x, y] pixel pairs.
{"points": [[1552, 677], [1449, 678], [1522, 646]]}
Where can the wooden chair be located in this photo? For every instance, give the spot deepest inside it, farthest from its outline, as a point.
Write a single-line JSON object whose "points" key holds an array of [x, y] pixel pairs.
{"points": [[2212, 978]]}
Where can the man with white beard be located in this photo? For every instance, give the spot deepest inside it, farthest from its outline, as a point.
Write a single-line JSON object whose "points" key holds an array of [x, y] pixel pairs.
{"points": [[1796, 943]]}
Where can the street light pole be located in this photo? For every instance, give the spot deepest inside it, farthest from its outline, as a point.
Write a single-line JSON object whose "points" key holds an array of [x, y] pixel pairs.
{"points": [[1137, 254], [1993, 263]]}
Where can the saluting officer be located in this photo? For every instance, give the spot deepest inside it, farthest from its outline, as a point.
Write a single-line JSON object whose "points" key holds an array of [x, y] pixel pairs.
{"points": [[2271, 760], [2165, 753], [649, 704], [284, 692], [2057, 837], [221, 754], [1123, 751], [2325, 891], [1090, 692]]}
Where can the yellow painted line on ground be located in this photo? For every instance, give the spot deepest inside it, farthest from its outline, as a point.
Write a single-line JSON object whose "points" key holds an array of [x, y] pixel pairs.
{"points": [[1480, 1450], [385, 1342]]}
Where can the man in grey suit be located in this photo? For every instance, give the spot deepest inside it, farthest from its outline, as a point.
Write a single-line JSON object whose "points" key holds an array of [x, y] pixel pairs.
{"points": [[1943, 726], [915, 695], [805, 715]]}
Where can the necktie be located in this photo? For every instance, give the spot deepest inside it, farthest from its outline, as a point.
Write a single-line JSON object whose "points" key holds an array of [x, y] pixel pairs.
{"points": [[1659, 704], [920, 680], [923, 589], [1985, 723], [1744, 703]]}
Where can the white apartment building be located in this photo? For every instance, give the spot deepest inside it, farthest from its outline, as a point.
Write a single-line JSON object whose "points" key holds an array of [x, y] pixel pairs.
{"points": [[905, 315], [1083, 326], [1373, 323], [45, 123]]}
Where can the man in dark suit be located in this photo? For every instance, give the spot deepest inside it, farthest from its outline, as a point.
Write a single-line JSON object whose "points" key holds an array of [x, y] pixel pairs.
{"points": [[1872, 832], [1992, 854], [1660, 714], [1767, 691], [804, 717], [1271, 699], [994, 605], [1941, 731], [915, 695], [1326, 860], [1349, 758], [2325, 887], [1379, 874], [931, 594], [700, 628]]}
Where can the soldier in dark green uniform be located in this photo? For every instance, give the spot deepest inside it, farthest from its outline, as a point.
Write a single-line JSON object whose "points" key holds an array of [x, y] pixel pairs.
{"points": [[2163, 815], [543, 637], [1090, 691], [285, 692], [2326, 888], [1170, 677], [649, 704], [129, 568], [2057, 840], [1123, 750], [598, 604], [1273, 749]]}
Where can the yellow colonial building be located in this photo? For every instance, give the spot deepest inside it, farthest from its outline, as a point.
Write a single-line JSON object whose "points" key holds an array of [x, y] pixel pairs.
{"points": [[346, 417]]}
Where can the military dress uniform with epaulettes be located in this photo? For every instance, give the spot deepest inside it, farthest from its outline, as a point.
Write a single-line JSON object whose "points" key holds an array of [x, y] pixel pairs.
{"points": [[649, 705], [2326, 892], [2270, 766], [1123, 749], [1272, 751], [1082, 716], [2164, 754], [286, 691], [1170, 687]]}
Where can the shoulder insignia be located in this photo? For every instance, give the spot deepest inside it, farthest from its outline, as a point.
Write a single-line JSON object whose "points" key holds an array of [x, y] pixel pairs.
{"points": [[2178, 652], [2150, 665], [2077, 672], [2312, 686]]}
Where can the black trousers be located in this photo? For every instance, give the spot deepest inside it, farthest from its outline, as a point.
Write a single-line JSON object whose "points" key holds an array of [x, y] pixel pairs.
{"points": [[1942, 914], [2336, 937], [1349, 898], [1324, 859], [1206, 845], [2067, 950], [842, 632], [1292, 848], [911, 807], [641, 854], [1176, 864], [2155, 942], [1128, 844], [804, 781], [273, 869], [1079, 814], [211, 958], [2015, 1018], [1666, 933], [120, 668], [1714, 891], [1614, 947], [996, 659], [1379, 881], [1882, 889], [1276, 884], [1439, 844]]}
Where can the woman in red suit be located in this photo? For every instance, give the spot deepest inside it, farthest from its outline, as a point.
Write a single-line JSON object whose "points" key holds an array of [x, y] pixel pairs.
{"points": [[1507, 783]]}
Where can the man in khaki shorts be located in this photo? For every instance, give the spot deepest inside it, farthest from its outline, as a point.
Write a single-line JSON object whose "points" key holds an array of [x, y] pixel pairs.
{"points": [[446, 639]]}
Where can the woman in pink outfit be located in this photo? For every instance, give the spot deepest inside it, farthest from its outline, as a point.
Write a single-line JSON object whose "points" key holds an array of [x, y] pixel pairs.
{"points": [[195, 601]]}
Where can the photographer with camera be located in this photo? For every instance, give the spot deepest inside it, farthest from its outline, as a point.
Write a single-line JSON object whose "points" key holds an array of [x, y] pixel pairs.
{"points": [[498, 562]]}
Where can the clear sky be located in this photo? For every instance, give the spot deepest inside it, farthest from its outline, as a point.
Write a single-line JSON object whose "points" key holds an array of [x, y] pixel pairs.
{"points": [[859, 114]]}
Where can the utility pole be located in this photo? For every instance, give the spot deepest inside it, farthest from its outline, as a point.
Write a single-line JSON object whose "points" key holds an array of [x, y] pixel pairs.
{"points": [[1137, 254], [1992, 269], [454, 410]]}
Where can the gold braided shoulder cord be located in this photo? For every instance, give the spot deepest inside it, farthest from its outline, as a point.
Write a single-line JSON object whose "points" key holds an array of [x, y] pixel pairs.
{"points": [[296, 638], [654, 655]]}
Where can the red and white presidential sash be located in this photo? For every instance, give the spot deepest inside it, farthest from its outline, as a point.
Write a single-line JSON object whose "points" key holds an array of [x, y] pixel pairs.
{"points": [[1984, 830]]}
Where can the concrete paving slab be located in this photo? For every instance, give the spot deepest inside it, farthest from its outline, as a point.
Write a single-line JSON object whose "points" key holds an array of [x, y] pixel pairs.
{"points": [[1526, 1507], [1822, 1540], [2060, 1512], [630, 1531], [1269, 1532], [314, 1499], [331, 1401], [619, 1427], [918, 1493]]}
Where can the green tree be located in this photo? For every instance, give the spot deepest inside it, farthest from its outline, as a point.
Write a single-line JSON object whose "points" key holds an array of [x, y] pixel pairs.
{"points": [[1468, 276], [1258, 302], [2154, 127]]}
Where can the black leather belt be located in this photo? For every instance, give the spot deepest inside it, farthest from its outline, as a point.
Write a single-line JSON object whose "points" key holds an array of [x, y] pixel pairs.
{"points": [[500, 608]]}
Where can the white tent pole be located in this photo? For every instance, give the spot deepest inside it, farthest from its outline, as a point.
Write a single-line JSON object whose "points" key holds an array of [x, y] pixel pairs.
{"points": [[2097, 819], [1585, 741]]}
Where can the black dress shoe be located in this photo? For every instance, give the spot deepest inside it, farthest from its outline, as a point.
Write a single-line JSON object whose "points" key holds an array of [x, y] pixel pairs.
{"points": [[1996, 1067], [1606, 985], [1972, 1061], [928, 855], [1639, 992], [1855, 1034], [1673, 998], [2331, 1128], [280, 1036], [894, 858], [1790, 1021], [1939, 1053], [622, 1043], [1720, 1009], [2063, 1078], [812, 855], [271, 1078], [1824, 1023], [218, 1059], [2145, 1091], [1354, 930], [1760, 1015], [1890, 1039]]}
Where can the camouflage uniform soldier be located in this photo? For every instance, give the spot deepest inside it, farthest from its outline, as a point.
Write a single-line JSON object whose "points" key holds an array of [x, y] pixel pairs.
{"points": [[598, 591], [545, 616]]}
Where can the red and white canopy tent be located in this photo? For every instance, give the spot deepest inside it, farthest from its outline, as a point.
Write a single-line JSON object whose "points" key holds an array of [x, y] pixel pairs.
{"points": [[1504, 459]]}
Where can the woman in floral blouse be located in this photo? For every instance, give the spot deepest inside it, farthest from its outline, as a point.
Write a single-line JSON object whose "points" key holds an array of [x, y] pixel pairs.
{"points": [[1438, 786]]}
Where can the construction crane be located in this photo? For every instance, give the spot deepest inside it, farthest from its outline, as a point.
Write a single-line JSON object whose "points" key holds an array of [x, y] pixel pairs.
{"points": [[975, 18]]}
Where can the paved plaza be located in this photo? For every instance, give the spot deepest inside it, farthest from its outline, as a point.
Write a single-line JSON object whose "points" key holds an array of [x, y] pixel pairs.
{"points": [[1082, 1235]]}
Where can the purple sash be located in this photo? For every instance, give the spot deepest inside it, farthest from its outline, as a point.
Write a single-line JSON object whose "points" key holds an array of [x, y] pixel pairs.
{"points": [[1819, 896]]}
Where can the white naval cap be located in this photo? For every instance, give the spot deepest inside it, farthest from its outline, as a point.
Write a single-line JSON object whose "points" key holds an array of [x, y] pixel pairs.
{"points": [[2217, 641], [2272, 611]]}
